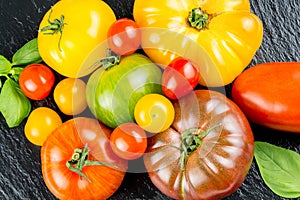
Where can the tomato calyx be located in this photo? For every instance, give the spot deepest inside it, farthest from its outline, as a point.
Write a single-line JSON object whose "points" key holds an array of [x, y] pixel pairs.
{"points": [[80, 159], [55, 26], [110, 60], [191, 140], [198, 19]]}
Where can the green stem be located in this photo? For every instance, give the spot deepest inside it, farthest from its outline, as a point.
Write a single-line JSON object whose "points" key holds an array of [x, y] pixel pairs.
{"points": [[198, 19], [111, 59], [191, 140], [80, 160], [54, 27]]}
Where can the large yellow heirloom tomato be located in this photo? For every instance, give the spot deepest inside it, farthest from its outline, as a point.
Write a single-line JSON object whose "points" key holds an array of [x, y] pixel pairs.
{"points": [[69, 31], [219, 36]]}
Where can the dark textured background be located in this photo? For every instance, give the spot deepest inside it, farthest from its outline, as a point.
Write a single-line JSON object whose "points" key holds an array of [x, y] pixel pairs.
{"points": [[20, 174]]}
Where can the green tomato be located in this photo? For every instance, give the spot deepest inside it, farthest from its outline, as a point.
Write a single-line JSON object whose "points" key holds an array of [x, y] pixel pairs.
{"points": [[113, 93]]}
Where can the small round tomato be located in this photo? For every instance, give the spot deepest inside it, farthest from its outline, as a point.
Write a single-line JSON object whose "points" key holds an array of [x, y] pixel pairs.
{"points": [[40, 123], [129, 141], [124, 36], [179, 78], [69, 95], [36, 81], [154, 113]]}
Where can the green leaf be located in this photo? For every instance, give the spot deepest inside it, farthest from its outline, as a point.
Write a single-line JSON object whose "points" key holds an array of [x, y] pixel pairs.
{"points": [[27, 54], [15, 73], [5, 65], [14, 105], [279, 168]]}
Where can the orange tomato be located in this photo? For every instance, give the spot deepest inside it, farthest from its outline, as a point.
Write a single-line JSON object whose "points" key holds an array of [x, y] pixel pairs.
{"points": [[78, 162]]}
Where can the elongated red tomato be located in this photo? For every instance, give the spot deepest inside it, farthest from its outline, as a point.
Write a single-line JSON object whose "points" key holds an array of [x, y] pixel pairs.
{"points": [[269, 95], [78, 162], [207, 152]]}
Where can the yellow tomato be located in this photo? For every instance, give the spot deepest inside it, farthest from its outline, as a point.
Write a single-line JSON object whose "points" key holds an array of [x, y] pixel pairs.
{"points": [[77, 28], [220, 37], [69, 95], [154, 113], [40, 123]]}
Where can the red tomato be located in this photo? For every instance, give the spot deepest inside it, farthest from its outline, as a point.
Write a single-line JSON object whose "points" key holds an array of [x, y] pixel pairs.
{"points": [[124, 36], [36, 81], [129, 141], [78, 163], [179, 78], [269, 95], [207, 152]]}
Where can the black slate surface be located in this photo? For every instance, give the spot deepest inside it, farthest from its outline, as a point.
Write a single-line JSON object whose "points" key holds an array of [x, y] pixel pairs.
{"points": [[20, 174]]}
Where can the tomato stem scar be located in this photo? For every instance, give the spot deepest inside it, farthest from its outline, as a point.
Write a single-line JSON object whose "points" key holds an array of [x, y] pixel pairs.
{"points": [[111, 59], [55, 26], [198, 19], [191, 140], [80, 159]]}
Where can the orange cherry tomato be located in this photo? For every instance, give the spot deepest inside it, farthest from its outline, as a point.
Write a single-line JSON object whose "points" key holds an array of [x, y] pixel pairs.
{"points": [[40, 124], [69, 95], [129, 141]]}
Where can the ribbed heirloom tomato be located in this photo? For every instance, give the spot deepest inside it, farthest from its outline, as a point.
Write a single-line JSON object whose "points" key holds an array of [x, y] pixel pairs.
{"points": [[220, 37], [69, 31], [78, 162], [207, 152]]}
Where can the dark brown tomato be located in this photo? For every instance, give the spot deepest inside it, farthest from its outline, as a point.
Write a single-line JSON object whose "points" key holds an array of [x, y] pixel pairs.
{"points": [[207, 152]]}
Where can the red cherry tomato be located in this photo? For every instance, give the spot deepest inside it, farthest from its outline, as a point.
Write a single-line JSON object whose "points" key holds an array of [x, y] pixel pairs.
{"points": [[124, 36], [179, 78], [129, 141], [36, 81]]}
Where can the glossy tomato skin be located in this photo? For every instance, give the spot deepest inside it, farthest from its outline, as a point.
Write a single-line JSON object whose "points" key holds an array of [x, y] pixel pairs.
{"points": [[113, 93], [58, 149], [154, 113], [124, 36], [40, 124], [81, 33], [167, 34], [179, 78], [218, 166], [69, 96], [128, 141], [36, 81], [269, 95]]}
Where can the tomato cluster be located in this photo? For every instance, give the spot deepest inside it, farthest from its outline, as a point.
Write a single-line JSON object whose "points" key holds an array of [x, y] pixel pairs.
{"points": [[195, 144]]}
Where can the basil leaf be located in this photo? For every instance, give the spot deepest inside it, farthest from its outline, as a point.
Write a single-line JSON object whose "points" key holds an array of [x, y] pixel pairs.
{"points": [[15, 73], [14, 105], [279, 168], [5, 65], [27, 54]]}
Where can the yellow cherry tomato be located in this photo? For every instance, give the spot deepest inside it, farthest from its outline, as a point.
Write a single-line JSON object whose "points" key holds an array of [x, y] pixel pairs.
{"points": [[69, 31], [40, 123], [154, 113], [69, 96], [220, 37]]}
